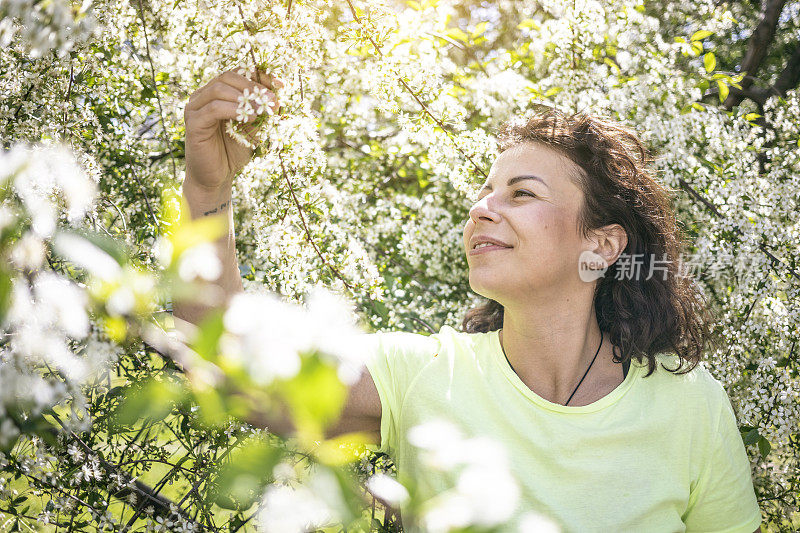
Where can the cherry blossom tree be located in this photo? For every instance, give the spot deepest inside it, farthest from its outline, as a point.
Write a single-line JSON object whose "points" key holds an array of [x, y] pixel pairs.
{"points": [[348, 220]]}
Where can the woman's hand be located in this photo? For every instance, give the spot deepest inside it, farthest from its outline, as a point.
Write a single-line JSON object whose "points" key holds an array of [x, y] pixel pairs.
{"points": [[213, 158]]}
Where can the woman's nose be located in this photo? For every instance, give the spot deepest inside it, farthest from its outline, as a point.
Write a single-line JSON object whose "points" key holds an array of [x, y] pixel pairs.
{"points": [[485, 209]]}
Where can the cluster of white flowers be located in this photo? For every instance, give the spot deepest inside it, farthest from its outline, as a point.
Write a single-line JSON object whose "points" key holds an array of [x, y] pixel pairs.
{"points": [[37, 174], [46, 325], [484, 493], [254, 103], [268, 335], [44, 26]]}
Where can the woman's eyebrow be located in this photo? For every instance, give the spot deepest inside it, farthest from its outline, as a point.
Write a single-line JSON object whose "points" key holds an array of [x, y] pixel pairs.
{"points": [[516, 179]]}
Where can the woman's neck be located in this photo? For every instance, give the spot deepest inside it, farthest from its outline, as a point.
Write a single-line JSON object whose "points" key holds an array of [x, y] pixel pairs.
{"points": [[551, 352]]}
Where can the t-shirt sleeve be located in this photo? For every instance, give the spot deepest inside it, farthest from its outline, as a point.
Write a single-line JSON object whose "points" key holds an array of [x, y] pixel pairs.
{"points": [[723, 499], [395, 359]]}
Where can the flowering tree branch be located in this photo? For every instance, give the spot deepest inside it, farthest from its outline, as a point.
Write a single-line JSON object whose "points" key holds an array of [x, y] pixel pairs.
{"points": [[757, 47], [414, 95]]}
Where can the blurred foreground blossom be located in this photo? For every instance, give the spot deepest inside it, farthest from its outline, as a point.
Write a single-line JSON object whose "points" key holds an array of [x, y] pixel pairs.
{"points": [[200, 261], [531, 522], [485, 492], [50, 347], [299, 509], [42, 26], [387, 489], [267, 335], [37, 174]]}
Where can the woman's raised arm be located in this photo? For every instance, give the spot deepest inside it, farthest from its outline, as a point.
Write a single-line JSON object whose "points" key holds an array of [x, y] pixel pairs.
{"points": [[213, 159]]}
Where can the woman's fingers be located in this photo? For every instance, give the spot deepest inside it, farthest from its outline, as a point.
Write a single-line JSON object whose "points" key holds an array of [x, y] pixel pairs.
{"points": [[210, 114], [216, 90], [220, 99], [269, 80], [230, 88], [263, 79]]}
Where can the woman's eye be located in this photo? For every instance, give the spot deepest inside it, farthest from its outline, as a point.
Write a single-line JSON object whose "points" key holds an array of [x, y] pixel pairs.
{"points": [[524, 192]]}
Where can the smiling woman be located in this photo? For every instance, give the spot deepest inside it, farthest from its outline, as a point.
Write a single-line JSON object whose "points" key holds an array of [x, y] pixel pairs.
{"points": [[552, 369], [590, 175], [562, 366]]}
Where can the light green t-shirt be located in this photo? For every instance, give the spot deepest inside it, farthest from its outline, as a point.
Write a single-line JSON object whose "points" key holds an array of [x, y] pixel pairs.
{"points": [[661, 454]]}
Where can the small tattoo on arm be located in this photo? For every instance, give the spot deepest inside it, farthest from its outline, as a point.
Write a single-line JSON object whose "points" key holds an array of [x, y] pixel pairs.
{"points": [[217, 209]]}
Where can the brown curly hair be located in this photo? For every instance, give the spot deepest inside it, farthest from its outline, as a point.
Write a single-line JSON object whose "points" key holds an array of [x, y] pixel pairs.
{"points": [[642, 317]]}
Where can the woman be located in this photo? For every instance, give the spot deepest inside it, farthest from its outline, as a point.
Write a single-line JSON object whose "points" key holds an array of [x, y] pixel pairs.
{"points": [[574, 362]]}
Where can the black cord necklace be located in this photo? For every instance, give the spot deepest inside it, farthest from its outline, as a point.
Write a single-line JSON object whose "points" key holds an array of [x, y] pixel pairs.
{"points": [[584, 374]]}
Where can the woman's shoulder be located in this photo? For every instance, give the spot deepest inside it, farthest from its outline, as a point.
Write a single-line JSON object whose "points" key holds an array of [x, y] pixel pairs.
{"points": [[448, 344], [680, 378]]}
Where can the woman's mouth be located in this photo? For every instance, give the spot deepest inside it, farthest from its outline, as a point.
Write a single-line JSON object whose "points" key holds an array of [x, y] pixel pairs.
{"points": [[486, 248]]}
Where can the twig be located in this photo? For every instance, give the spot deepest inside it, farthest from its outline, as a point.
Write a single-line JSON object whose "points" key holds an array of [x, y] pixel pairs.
{"points": [[305, 227], [146, 200], [414, 95], [251, 32], [107, 200], [155, 88], [66, 98]]}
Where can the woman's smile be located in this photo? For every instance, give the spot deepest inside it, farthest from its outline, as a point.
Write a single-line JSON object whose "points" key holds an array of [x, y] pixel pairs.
{"points": [[486, 248]]}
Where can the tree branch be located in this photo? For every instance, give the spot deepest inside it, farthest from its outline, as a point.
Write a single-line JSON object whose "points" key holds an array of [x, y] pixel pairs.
{"points": [[162, 506], [757, 47], [711, 207], [790, 77]]}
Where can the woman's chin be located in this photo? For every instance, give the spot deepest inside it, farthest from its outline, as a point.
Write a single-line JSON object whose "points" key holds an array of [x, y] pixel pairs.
{"points": [[487, 286]]}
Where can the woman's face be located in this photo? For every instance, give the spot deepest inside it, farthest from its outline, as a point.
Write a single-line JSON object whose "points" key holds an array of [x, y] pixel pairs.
{"points": [[536, 220]]}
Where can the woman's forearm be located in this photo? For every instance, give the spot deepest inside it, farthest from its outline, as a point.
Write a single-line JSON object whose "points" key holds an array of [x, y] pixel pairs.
{"points": [[206, 202]]}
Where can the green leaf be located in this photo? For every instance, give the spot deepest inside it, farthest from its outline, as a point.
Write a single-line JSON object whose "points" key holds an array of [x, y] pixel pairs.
{"points": [[528, 24], [381, 309], [315, 396], [5, 293], [113, 247], [211, 406], [155, 399], [480, 28], [457, 33], [723, 90], [350, 493], [680, 40], [709, 61], [206, 342], [751, 437], [701, 34], [240, 482], [697, 48], [764, 447], [610, 63]]}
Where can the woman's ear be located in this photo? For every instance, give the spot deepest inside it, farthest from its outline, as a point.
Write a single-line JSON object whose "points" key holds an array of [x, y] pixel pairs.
{"points": [[610, 241]]}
